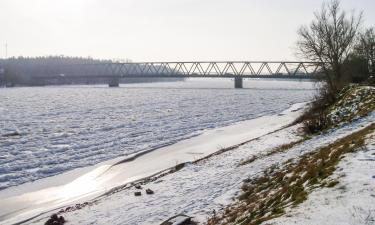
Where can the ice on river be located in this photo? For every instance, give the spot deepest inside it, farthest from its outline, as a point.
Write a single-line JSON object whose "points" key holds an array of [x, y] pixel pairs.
{"points": [[45, 131]]}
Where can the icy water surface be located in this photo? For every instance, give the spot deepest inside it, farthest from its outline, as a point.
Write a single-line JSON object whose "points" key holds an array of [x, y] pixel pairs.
{"points": [[45, 131]]}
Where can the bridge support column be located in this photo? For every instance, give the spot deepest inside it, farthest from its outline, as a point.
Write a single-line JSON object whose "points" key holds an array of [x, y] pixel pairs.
{"points": [[238, 82], [115, 82]]}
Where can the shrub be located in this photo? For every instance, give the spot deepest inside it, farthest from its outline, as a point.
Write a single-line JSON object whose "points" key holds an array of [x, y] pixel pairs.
{"points": [[314, 119]]}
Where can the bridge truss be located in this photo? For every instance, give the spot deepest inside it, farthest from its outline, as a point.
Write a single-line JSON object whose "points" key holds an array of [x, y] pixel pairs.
{"points": [[113, 72], [243, 69]]}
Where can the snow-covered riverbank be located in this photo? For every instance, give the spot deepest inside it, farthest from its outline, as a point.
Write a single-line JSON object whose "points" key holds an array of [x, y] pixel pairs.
{"points": [[19, 203], [349, 202], [203, 176], [202, 188]]}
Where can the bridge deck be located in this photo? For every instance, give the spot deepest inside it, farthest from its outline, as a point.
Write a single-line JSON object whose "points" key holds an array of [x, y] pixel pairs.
{"points": [[177, 76]]}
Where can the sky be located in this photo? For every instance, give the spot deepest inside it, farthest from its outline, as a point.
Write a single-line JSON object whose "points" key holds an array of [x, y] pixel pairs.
{"points": [[160, 30]]}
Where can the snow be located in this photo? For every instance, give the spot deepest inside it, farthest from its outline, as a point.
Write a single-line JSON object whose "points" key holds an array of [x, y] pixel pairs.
{"points": [[45, 131], [25, 201], [201, 188], [351, 201]]}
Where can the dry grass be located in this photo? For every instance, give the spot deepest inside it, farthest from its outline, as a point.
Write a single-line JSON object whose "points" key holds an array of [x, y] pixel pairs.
{"points": [[353, 102], [278, 149], [325, 112], [267, 196], [284, 147]]}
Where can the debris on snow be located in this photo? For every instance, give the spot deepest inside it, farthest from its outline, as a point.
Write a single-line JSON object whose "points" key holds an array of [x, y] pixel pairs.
{"points": [[149, 191], [180, 219]]}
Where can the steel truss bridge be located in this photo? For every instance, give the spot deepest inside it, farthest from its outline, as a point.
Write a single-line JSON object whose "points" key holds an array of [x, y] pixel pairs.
{"points": [[113, 72]]}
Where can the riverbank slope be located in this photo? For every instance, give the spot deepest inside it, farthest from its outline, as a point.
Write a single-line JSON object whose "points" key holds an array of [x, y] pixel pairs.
{"points": [[243, 184]]}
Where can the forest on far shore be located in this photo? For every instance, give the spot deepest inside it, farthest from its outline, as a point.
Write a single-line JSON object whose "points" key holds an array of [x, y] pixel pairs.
{"points": [[23, 71]]}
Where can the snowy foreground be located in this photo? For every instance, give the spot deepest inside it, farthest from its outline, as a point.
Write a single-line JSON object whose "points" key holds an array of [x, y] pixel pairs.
{"points": [[23, 202], [202, 188], [349, 202]]}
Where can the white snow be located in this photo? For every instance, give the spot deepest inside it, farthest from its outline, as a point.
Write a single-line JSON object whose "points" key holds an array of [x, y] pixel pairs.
{"points": [[350, 202], [30, 199], [201, 188]]}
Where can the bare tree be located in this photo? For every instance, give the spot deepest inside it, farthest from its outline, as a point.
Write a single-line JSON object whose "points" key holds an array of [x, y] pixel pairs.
{"points": [[329, 39], [366, 49]]}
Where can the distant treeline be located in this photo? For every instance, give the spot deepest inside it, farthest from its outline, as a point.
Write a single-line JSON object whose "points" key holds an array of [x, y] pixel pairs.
{"points": [[24, 71]]}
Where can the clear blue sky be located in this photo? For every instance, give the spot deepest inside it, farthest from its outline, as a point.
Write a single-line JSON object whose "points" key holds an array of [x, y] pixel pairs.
{"points": [[145, 30]]}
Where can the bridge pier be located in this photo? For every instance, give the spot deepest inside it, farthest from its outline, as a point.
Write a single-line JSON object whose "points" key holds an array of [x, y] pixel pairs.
{"points": [[238, 82], [115, 82]]}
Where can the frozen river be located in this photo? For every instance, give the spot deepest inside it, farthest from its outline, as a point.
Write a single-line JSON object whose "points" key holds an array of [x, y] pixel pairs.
{"points": [[46, 131]]}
